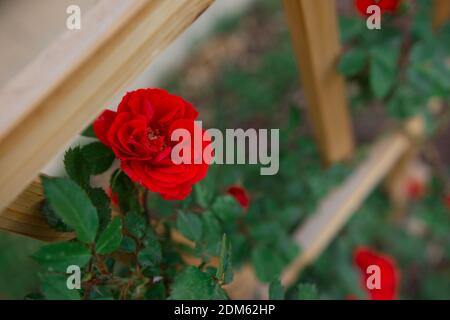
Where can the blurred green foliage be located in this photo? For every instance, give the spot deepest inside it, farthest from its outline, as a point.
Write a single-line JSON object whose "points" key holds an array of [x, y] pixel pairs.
{"points": [[18, 272]]}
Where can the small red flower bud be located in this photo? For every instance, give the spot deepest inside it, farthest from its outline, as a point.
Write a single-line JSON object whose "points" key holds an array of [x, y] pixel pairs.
{"points": [[415, 189], [241, 196], [447, 201]]}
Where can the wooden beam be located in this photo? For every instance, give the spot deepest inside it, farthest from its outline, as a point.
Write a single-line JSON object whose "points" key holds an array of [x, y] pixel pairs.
{"points": [[397, 178], [314, 31], [441, 12], [66, 87], [24, 216]]}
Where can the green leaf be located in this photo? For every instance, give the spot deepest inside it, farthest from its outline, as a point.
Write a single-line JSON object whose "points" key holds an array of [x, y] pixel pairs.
{"points": [[226, 209], [383, 69], [102, 203], [193, 284], [58, 256], [350, 28], [212, 230], [276, 290], [156, 292], [54, 287], [422, 25], [267, 263], [98, 156], [352, 62], [150, 235], [307, 291], [266, 232], [404, 103], [160, 207], [126, 190], [136, 224], [224, 271], [190, 225], [76, 167], [128, 244], [222, 257], [241, 249], [89, 132], [72, 204], [53, 220], [204, 192], [111, 238], [151, 254]]}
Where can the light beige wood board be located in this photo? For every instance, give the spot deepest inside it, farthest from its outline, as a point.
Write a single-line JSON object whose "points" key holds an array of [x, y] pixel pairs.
{"points": [[314, 32]]}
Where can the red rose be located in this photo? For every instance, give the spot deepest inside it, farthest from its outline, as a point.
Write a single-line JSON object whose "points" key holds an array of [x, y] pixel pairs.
{"points": [[241, 196], [415, 189], [385, 5], [447, 201], [389, 277], [139, 135]]}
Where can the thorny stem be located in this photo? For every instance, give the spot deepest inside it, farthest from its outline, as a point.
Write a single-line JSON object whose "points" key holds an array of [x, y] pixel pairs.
{"points": [[145, 205]]}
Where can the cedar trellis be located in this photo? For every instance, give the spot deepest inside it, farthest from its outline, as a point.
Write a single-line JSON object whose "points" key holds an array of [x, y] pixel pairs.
{"points": [[71, 81]]}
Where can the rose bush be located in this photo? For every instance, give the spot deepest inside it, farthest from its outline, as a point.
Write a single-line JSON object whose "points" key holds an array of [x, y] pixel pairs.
{"points": [[139, 135]]}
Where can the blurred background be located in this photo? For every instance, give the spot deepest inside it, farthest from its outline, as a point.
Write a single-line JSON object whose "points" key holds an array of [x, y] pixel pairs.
{"points": [[237, 66]]}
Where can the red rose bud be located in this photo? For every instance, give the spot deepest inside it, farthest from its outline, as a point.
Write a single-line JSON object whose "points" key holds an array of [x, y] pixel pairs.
{"points": [[112, 196], [390, 6], [139, 134], [240, 195], [447, 201], [415, 189], [379, 273]]}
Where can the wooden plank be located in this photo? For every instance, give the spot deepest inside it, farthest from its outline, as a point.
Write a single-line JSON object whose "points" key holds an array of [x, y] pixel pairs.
{"points": [[66, 87], [403, 170], [314, 31], [441, 12], [28, 27], [24, 216]]}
